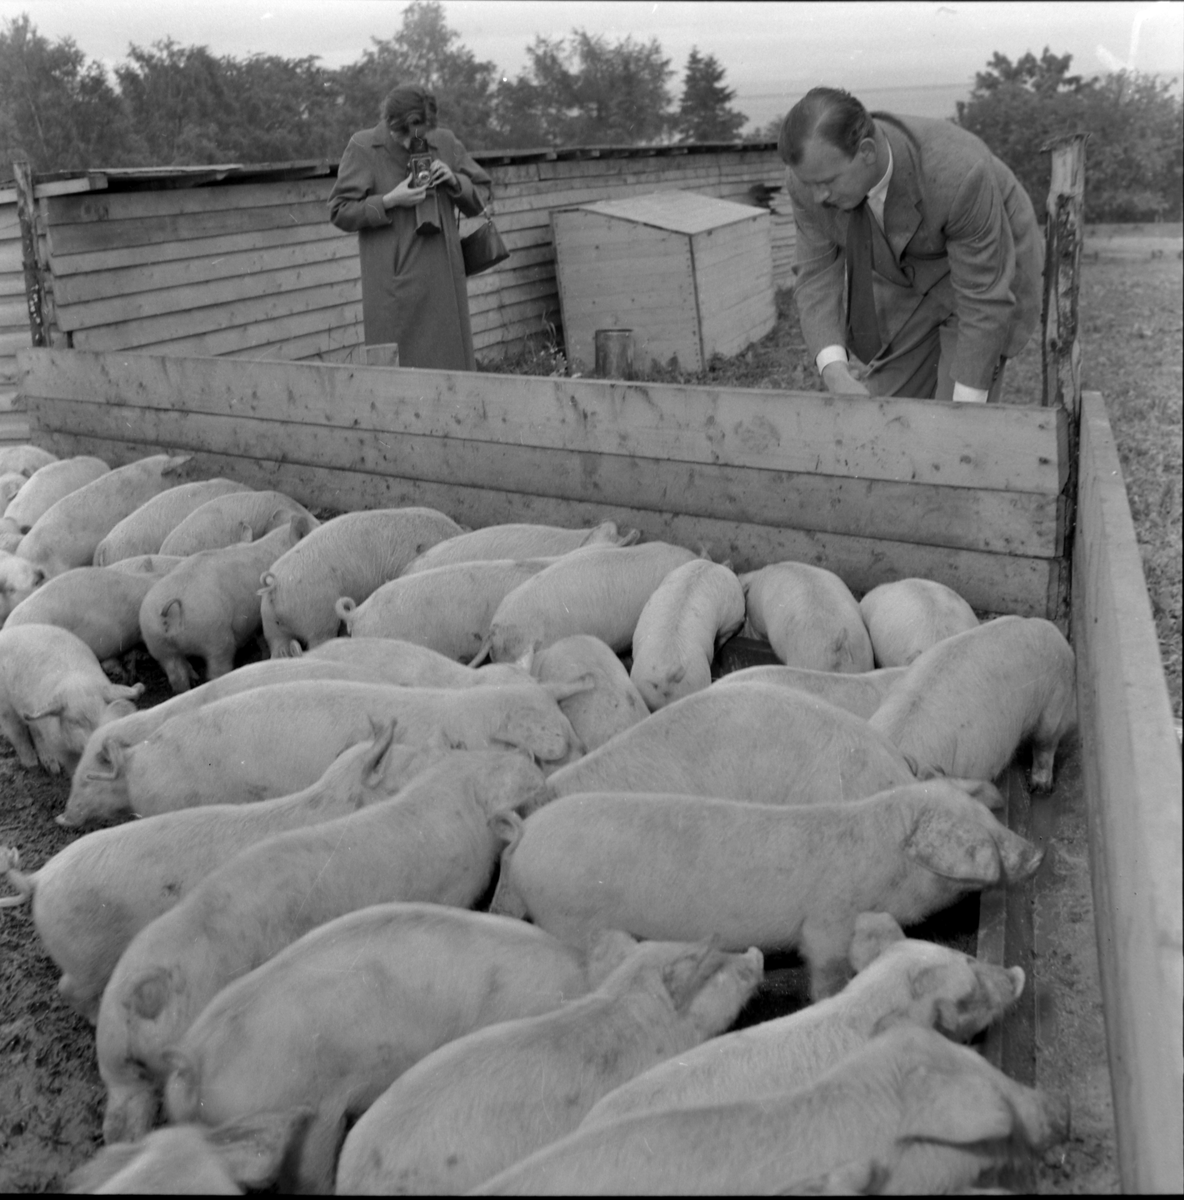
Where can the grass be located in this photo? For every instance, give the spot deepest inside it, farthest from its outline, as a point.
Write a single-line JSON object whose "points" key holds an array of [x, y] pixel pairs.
{"points": [[1130, 306]]}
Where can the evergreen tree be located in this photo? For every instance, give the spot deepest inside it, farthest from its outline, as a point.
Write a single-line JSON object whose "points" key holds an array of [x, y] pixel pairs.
{"points": [[704, 114]]}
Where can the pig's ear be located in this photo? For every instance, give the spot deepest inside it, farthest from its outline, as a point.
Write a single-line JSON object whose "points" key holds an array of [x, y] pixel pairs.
{"points": [[950, 845], [253, 1149], [981, 790], [957, 1107], [860, 1177], [508, 827], [245, 532], [604, 950], [874, 933], [54, 708], [924, 773], [574, 687], [170, 620], [526, 662], [110, 1160], [685, 976], [301, 525]]}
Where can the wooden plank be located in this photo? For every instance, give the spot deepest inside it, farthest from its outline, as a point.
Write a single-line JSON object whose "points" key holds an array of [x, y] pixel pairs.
{"points": [[66, 265], [1131, 770], [105, 235], [10, 256], [222, 292], [320, 344], [18, 339], [111, 283], [960, 518], [167, 329], [1005, 447], [1018, 584], [137, 206]]}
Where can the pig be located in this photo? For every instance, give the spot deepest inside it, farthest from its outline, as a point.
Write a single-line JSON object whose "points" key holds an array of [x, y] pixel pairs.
{"points": [[432, 842], [447, 608], [48, 484], [908, 616], [516, 541], [11, 482], [759, 742], [25, 458], [143, 531], [412, 665], [860, 694], [351, 555], [612, 706], [9, 540], [99, 605], [599, 590], [898, 979], [694, 609], [90, 899], [196, 1160], [688, 867], [208, 606], [53, 695], [99, 787], [480, 1103], [212, 755], [966, 704], [809, 617], [931, 1114], [219, 522], [148, 564], [19, 578], [67, 533]]}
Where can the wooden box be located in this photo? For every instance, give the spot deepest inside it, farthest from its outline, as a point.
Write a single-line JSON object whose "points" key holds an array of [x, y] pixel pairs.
{"points": [[691, 275]]}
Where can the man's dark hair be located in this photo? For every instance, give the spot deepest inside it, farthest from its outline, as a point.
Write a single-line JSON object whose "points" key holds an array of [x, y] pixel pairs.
{"points": [[828, 113], [408, 105]]}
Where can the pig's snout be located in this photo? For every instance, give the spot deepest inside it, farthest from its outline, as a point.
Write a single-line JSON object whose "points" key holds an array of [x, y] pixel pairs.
{"points": [[66, 821]]}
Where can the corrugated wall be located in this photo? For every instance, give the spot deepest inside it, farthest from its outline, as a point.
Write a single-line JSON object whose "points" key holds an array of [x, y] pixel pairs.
{"points": [[14, 316]]}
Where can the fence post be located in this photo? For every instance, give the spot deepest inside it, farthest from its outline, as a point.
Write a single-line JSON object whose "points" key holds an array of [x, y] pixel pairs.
{"points": [[1064, 233], [26, 212]]}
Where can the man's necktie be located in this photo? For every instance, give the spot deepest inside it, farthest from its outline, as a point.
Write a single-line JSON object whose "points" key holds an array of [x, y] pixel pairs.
{"points": [[861, 306]]}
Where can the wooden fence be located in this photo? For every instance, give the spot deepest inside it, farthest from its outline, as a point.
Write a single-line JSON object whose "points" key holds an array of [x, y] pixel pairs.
{"points": [[14, 316]]}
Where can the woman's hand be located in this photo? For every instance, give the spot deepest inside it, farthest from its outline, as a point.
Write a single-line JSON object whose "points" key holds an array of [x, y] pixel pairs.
{"points": [[404, 195], [442, 175]]}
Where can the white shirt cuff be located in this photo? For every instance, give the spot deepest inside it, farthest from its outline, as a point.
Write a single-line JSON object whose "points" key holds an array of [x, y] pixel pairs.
{"points": [[830, 354], [969, 395]]}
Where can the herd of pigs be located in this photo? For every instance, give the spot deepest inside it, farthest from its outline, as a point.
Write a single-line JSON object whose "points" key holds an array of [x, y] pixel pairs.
{"points": [[462, 887]]}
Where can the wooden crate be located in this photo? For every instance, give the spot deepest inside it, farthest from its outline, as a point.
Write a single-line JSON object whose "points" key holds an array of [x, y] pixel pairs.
{"points": [[691, 275]]}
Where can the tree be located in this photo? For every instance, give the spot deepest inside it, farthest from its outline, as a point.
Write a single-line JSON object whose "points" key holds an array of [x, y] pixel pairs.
{"points": [[704, 114], [56, 111], [1133, 157]]}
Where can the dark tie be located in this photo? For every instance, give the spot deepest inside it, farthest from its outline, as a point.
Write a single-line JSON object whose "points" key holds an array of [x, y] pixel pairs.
{"points": [[861, 306]]}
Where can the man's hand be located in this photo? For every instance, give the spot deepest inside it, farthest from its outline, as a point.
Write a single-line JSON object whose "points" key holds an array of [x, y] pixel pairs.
{"points": [[842, 379], [403, 195], [442, 176]]}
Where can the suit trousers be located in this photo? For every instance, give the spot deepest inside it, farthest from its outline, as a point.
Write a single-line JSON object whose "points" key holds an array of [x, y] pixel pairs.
{"points": [[923, 370]]}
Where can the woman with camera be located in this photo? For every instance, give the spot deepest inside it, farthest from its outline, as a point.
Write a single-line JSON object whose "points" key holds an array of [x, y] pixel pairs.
{"points": [[399, 186]]}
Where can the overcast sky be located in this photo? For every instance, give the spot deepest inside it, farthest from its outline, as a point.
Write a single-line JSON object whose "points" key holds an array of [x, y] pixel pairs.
{"points": [[912, 57]]}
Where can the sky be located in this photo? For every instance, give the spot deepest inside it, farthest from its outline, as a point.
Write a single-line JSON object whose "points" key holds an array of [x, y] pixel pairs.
{"points": [[916, 57]]}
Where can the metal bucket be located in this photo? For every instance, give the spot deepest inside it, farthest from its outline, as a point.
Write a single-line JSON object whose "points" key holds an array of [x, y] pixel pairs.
{"points": [[614, 353]]}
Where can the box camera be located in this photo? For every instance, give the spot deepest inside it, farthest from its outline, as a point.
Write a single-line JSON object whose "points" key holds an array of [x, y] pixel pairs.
{"points": [[421, 170]]}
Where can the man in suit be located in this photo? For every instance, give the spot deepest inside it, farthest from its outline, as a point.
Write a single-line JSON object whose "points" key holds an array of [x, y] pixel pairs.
{"points": [[919, 259]]}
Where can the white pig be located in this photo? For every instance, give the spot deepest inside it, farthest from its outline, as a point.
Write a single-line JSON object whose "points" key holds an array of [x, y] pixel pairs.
{"points": [[67, 533], [25, 457], [212, 755], [432, 842], [11, 482], [54, 694], [195, 1160], [219, 522], [9, 538], [19, 578], [774, 876], [613, 705], [757, 742], [143, 531], [351, 555], [48, 484], [968, 703], [148, 564], [809, 617], [515, 541], [907, 616], [480, 1103], [860, 693], [695, 608], [411, 665], [300, 1022], [599, 590], [899, 979], [93, 897], [446, 608], [99, 605], [933, 1115], [208, 605]]}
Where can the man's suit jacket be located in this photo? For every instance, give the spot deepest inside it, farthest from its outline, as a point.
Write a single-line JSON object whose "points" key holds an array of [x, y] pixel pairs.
{"points": [[960, 236]]}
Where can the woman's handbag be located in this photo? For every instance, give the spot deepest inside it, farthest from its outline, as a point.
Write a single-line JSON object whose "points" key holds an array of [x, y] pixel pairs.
{"points": [[483, 248]]}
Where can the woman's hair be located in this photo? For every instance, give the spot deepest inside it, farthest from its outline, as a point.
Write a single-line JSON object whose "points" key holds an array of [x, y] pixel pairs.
{"points": [[828, 113], [408, 105]]}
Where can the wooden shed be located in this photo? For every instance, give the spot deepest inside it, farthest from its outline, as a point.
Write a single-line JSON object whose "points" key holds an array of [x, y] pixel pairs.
{"points": [[690, 275]]}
